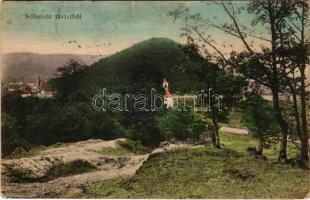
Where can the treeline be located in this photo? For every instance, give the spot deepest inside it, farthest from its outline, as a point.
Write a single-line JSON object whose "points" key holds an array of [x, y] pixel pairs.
{"points": [[32, 121]]}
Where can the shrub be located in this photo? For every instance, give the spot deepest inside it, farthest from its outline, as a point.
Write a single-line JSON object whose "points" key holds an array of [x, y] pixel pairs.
{"points": [[180, 125], [258, 117]]}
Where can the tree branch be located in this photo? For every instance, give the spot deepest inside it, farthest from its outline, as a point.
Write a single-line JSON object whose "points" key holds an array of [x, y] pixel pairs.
{"points": [[241, 35]]}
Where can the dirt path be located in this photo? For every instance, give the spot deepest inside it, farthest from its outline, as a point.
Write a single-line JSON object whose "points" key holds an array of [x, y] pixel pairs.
{"points": [[108, 167], [240, 131], [69, 186]]}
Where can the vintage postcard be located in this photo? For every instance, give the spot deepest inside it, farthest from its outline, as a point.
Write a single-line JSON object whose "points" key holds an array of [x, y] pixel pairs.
{"points": [[155, 99]]}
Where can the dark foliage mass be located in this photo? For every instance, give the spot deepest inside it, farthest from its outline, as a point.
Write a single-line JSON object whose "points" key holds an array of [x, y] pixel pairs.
{"points": [[31, 121]]}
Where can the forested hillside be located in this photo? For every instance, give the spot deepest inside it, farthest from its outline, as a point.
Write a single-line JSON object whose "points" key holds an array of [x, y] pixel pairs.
{"points": [[151, 60]]}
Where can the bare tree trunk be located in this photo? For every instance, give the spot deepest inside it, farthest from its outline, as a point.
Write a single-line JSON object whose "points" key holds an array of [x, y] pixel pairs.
{"points": [[260, 143], [217, 143], [282, 123], [296, 111], [275, 84], [305, 136]]}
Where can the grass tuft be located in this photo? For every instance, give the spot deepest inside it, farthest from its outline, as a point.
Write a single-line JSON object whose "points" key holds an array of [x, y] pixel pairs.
{"points": [[124, 148]]}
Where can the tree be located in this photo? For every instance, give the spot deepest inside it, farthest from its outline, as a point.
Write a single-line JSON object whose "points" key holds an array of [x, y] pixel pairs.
{"points": [[221, 90], [266, 66], [137, 115], [288, 21], [180, 125], [68, 81], [11, 138], [297, 51], [70, 68], [258, 117]]}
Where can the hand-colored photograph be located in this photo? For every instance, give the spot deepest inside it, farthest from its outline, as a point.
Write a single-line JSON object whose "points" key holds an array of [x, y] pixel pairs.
{"points": [[155, 99]]}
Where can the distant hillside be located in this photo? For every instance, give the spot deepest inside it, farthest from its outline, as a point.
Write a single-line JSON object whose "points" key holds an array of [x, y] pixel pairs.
{"points": [[151, 60], [28, 66]]}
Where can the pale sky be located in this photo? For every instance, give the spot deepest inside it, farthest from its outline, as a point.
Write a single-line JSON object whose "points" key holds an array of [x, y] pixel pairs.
{"points": [[105, 27]]}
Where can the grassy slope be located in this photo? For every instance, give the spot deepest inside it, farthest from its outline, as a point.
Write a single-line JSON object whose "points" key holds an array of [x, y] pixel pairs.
{"points": [[209, 173]]}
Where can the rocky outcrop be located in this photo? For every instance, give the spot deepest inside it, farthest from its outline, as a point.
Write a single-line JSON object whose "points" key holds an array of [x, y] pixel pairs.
{"points": [[31, 177]]}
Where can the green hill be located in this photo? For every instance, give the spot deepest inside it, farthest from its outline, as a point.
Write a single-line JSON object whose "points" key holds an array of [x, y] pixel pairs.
{"points": [[151, 60]]}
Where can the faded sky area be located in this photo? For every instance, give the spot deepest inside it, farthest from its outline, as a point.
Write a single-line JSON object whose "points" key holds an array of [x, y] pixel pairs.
{"points": [[105, 27]]}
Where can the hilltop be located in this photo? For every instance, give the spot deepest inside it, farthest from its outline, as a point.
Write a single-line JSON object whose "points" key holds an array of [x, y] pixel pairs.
{"points": [[151, 60]]}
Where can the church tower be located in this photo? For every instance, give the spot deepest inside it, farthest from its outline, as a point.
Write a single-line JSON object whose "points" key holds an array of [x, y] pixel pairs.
{"points": [[167, 92], [168, 97], [165, 84]]}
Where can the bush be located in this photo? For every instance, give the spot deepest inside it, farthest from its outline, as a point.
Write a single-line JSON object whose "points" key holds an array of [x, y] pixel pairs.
{"points": [[180, 125], [11, 136], [258, 117]]}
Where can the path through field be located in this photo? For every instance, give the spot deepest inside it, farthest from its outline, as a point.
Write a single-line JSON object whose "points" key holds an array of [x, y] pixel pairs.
{"points": [[234, 130]]}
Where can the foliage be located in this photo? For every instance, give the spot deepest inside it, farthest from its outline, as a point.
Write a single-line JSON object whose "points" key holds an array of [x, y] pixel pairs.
{"points": [[258, 117], [30, 122], [180, 125], [235, 120], [71, 68], [222, 89], [12, 138], [68, 81], [138, 117]]}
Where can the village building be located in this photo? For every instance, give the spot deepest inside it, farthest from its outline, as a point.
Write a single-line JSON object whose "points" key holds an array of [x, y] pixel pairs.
{"points": [[30, 89]]}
